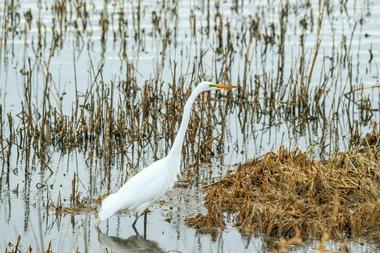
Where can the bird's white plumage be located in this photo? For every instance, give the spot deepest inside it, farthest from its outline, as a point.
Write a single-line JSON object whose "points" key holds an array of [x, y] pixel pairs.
{"points": [[140, 191], [147, 186]]}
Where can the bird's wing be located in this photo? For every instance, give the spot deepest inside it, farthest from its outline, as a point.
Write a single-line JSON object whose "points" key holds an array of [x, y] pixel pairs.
{"points": [[146, 186]]}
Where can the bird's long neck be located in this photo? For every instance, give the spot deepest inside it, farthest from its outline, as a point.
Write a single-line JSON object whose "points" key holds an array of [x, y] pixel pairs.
{"points": [[177, 145]]}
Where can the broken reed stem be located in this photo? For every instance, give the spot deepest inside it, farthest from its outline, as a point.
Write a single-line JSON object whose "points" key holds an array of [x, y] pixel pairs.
{"points": [[317, 41]]}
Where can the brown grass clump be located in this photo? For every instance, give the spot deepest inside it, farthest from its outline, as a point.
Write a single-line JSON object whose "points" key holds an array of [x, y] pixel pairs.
{"points": [[286, 194]]}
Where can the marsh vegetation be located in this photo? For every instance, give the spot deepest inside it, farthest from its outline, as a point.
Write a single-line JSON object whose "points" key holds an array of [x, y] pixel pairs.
{"points": [[92, 91]]}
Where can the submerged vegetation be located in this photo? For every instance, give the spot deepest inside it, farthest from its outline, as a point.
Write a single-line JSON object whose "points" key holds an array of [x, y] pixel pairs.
{"points": [[91, 91]]}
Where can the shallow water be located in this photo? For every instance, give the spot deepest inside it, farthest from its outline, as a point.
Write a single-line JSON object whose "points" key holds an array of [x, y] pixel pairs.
{"points": [[170, 52]]}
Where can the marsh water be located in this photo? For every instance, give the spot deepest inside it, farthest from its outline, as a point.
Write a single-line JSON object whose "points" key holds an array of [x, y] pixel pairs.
{"points": [[92, 91]]}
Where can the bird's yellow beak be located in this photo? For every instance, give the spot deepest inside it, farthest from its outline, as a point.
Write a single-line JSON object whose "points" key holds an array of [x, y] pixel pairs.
{"points": [[223, 86]]}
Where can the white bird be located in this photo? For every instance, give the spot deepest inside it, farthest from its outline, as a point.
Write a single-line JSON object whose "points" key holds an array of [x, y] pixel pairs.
{"points": [[151, 183]]}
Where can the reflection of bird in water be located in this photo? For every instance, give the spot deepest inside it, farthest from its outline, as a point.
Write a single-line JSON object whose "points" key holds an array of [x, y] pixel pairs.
{"points": [[134, 243]]}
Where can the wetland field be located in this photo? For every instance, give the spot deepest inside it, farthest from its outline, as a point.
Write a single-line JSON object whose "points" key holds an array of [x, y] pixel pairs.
{"points": [[93, 91]]}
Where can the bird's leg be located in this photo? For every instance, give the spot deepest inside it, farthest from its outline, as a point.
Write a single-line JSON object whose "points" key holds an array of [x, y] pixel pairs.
{"points": [[135, 221], [134, 225], [145, 218], [134, 229], [138, 216], [146, 211]]}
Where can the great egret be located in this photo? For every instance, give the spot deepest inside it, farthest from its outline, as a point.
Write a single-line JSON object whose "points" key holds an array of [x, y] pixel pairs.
{"points": [[147, 186]]}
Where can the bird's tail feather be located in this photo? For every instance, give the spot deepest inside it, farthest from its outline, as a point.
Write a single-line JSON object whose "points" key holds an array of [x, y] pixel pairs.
{"points": [[108, 208]]}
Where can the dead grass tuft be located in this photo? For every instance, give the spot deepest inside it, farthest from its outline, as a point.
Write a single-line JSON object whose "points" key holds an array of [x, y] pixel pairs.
{"points": [[287, 194]]}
